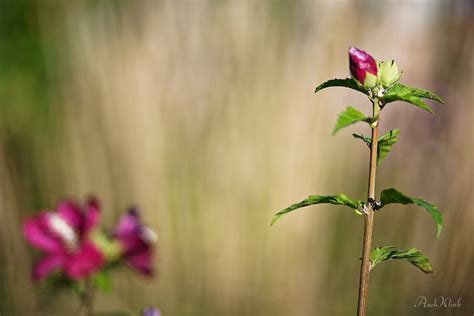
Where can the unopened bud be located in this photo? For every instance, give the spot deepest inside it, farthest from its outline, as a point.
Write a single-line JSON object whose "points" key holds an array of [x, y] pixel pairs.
{"points": [[363, 67], [389, 73]]}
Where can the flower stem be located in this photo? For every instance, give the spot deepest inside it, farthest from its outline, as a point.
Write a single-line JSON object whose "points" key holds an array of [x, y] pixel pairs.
{"points": [[87, 299], [369, 215]]}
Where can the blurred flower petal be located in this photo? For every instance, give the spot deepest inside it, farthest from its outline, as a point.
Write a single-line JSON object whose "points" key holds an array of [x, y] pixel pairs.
{"points": [[70, 212], [92, 214], [47, 265], [142, 262], [135, 241], [64, 235], [128, 224], [133, 244], [83, 262], [36, 231]]}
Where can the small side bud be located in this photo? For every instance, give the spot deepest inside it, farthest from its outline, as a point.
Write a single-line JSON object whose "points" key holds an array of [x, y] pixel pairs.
{"points": [[389, 73]]}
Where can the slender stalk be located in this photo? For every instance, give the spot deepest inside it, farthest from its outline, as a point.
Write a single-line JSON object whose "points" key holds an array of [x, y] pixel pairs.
{"points": [[369, 216], [87, 299]]}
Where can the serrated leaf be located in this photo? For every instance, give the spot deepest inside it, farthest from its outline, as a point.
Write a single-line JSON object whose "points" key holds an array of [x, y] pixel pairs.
{"points": [[340, 199], [384, 144], [412, 255], [388, 136], [379, 254], [416, 92], [347, 83], [408, 98], [349, 116], [415, 257], [390, 196], [411, 95]]}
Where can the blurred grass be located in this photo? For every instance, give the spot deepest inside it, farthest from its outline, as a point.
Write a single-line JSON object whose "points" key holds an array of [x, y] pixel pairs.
{"points": [[203, 114]]}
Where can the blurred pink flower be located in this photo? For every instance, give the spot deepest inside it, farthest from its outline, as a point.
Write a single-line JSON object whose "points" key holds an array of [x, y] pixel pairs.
{"points": [[137, 242], [361, 63], [62, 236]]}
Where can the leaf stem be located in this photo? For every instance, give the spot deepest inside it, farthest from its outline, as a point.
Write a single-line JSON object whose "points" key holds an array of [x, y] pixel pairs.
{"points": [[369, 215], [87, 299]]}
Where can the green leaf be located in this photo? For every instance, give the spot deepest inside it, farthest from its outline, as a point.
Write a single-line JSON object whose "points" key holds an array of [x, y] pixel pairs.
{"points": [[379, 254], [412, 255], [366, 139], [415, 257], [410, 99], [347, 83], [411, 95], [384, 144], [349, 116], [416, 92], [390, 196], [340, 199], [58, 282], [102, 280], [389, 135]]}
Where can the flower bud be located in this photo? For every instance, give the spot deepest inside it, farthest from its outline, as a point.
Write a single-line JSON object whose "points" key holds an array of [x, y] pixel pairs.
{"points": [[363, 67], [389, 73]]}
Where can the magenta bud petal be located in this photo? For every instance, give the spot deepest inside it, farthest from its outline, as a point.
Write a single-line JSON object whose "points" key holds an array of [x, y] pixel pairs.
{"points": [[38, 234], [360, 63], [92, 214], [83, 262], [46, 265], [70, 213]]}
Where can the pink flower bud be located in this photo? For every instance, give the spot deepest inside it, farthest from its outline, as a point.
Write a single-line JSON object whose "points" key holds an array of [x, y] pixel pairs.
{"points": [[362, 65]]}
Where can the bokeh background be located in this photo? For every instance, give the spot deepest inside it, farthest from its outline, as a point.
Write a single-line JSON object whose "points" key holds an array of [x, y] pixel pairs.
{"points": [[203, 114]]}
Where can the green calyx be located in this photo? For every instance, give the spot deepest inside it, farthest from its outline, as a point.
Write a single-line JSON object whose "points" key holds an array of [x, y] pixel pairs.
{"points": [[370, 80]]}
